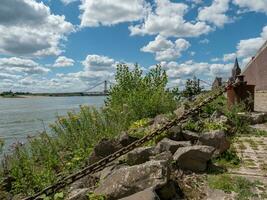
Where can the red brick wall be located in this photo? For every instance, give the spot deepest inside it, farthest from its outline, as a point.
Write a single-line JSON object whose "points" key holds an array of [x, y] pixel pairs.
{"points": [[256, 71]]}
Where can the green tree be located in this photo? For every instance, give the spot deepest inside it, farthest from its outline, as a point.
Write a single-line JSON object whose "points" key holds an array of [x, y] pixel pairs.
{"points": [[192, 88], [139, 96]]}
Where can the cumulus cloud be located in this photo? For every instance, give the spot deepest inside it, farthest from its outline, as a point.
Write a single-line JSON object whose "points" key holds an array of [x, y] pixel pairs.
{"points": [[204, 41], [255, 5], [98, 63], [247, 48], [15, 65], [63, 61], [182, 71], [229, 57], [66, 2], [167, 19], [215, 13], [28, 27], [103, 12], [166, 50]]}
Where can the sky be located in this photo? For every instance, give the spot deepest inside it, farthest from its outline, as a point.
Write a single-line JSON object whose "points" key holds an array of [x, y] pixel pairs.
{"points": [[71, 45]]}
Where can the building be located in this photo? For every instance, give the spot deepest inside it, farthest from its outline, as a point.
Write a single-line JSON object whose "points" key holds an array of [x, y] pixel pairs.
{"points": [[217, 83], [256, 74]]}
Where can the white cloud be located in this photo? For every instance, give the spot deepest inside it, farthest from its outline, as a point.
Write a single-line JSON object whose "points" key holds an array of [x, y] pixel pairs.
{"points": [[204, 41], [249, 47], [66, 2], [215, 59], [166, 50], [255, 5], [229, 57], [106, 12], [168, 20], [98, 63], [8, 76], [15, 65], [63, 61], [27, 27], [208, 71], [216, 13]]}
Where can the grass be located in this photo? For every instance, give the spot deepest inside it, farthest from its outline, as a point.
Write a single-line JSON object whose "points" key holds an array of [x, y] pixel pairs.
{"points": [[228, 159], [239, 185]]}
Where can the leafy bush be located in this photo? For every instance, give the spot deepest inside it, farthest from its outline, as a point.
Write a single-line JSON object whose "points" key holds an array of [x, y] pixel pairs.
{"points": [[140, 96], [192, 88]]}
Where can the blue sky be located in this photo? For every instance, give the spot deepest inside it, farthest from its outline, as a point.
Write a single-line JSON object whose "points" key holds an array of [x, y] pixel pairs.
{"points": [[70, 45]]}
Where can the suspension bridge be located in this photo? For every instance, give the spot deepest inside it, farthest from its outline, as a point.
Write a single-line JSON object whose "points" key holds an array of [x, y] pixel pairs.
{"points": [[104, 92], [102, 89]]}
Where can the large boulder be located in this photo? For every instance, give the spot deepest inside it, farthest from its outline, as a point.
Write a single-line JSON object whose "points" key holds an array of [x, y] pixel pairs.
{"points": [[139, 155], [104, 148], [78, 194], [170, 145], [126, 139], [254, 117], [166, 156], [129, 180], [169, 191], [147, 194], [193, 158], [190, 136], [175, 133], [216, 139]]}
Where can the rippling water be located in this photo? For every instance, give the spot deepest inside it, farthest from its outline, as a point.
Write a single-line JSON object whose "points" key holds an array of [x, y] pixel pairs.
{"points": [[20, 117]]}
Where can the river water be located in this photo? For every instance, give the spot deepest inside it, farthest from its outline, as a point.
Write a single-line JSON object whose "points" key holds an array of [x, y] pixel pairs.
{"points": [[20, 117]]}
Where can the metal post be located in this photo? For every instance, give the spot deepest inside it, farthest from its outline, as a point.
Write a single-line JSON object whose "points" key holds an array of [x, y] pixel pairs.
{"points": [[105, 87]]}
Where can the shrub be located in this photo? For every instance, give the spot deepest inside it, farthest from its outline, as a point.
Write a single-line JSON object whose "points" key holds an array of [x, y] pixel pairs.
{"points": [[192, 88], [140, 96]]}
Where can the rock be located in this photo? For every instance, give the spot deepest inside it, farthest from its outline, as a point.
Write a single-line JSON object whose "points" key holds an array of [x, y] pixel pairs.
{"points": [[159, 120], [254, 117], [139, 155], [126, 139], [78, 194], [109, 170], [193, 158], [170, 145], [171, 190], [166, 156], [180, 110], [85, 182], [216, 139], [191, 136], [257, 118], [104, 148], [127, 181], [175, 133], [147, 194]]}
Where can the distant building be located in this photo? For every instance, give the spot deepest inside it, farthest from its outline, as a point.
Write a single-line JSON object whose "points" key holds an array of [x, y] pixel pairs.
{"points": [[256, 74], [217, 82]]}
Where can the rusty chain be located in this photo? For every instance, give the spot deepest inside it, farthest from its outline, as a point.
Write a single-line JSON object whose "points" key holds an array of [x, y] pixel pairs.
{"points": [[101, 164]]}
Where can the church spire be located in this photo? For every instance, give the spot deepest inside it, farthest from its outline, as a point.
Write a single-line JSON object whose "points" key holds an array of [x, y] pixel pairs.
{"points": [[236, 69]]}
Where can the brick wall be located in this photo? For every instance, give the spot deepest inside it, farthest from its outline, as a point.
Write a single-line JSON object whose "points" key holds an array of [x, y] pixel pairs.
{"points": [[256, 71], [261, 101]]}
